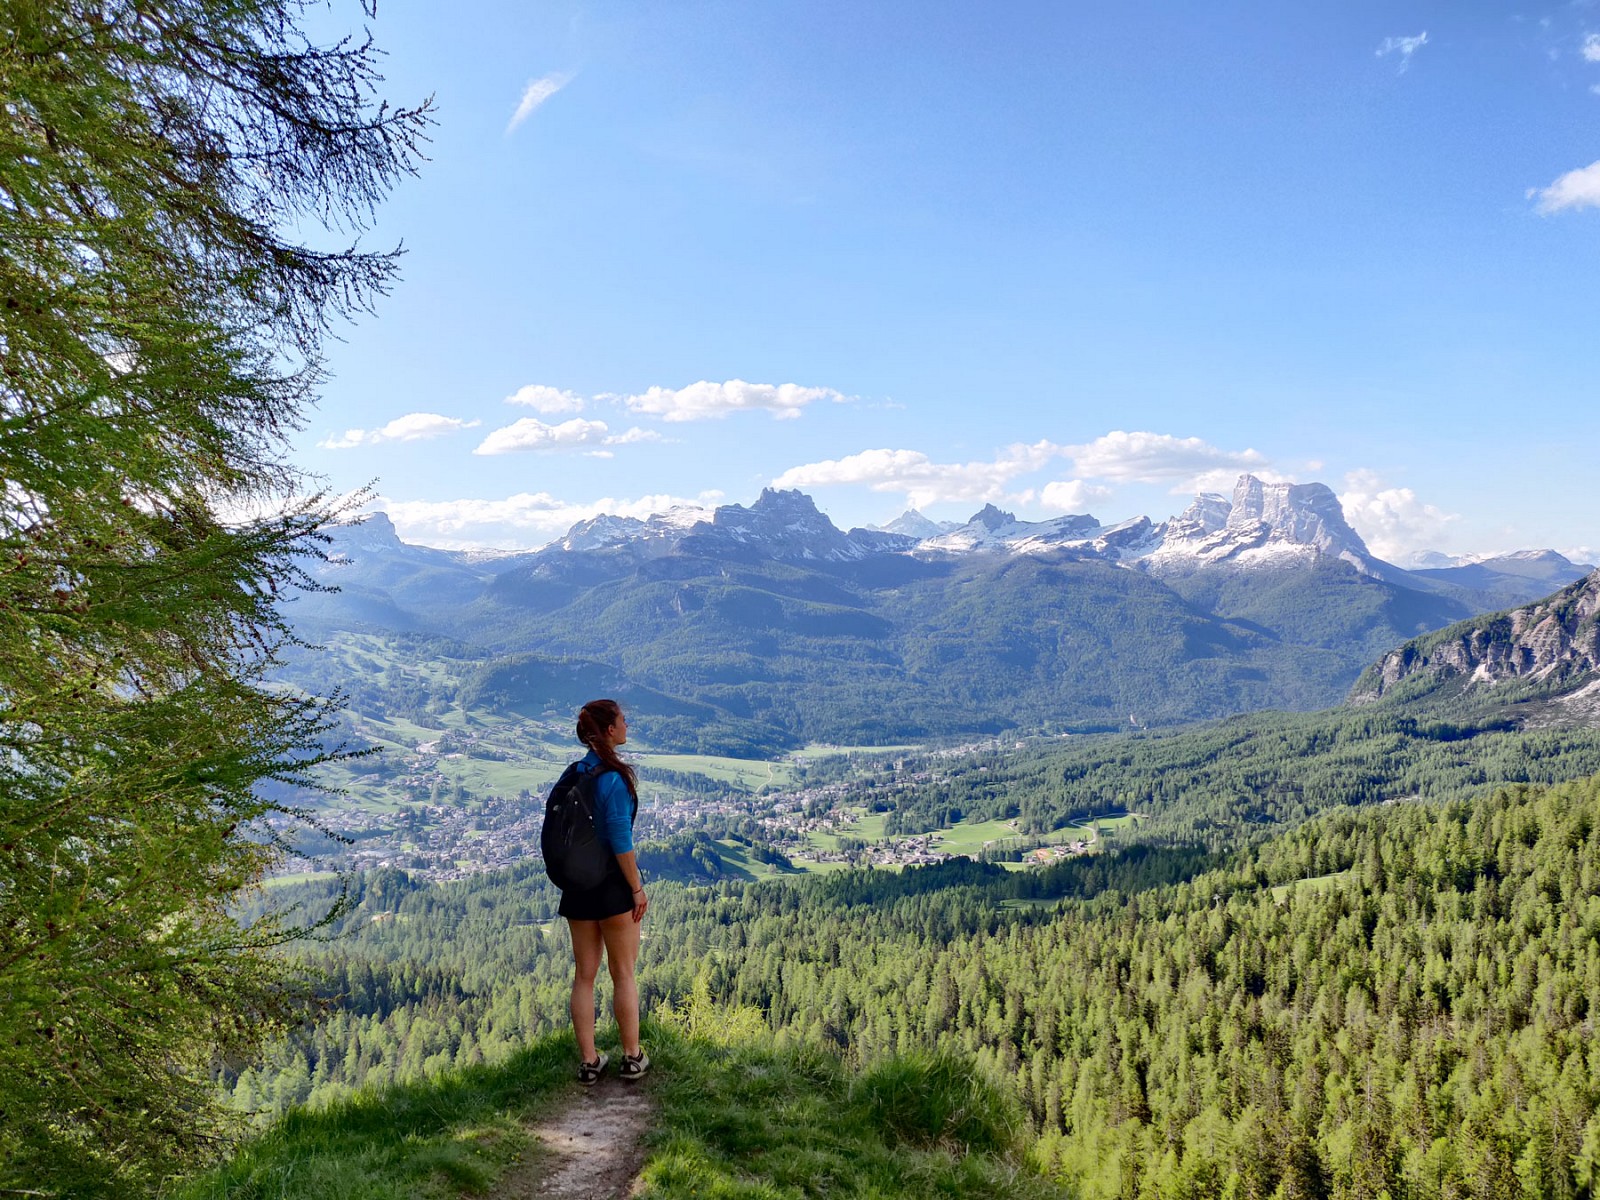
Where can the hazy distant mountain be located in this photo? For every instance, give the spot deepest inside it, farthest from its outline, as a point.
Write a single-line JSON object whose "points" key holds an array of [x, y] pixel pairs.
{"points": [[391, 584], [1547, 565], [913, 524], [658, 534], [1080, 535], [1506, 580]]}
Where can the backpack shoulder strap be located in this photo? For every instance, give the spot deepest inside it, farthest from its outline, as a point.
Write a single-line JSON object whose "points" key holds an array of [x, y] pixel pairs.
{"points": [[592, 777]]}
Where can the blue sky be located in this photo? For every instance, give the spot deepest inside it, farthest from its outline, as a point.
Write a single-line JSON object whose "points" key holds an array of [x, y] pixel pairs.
{"points": [[1057, 257]]}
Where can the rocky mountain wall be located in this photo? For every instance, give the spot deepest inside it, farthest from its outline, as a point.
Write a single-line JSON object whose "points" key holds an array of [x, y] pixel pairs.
{"points": [[1552, 640]]}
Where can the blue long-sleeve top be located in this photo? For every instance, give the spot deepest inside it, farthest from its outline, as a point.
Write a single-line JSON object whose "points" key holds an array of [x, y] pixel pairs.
{"points": [[613, 807]]}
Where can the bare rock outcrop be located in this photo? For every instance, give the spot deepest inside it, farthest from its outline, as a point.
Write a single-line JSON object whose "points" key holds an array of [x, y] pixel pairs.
{"points": [[1554, 640]]}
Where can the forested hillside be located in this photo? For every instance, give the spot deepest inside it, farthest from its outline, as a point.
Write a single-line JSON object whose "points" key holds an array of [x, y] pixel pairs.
{"points": [[1398, 998], [1222, 784]]}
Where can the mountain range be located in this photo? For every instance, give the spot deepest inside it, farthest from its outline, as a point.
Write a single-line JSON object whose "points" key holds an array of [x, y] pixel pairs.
{"points": [[760, 626]]}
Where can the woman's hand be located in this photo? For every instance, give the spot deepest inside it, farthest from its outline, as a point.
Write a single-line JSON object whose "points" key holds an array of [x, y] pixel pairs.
{"points": [[629, 863]]}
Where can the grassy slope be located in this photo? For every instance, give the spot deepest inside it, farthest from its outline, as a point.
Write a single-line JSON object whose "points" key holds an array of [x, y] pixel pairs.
{"points": [[739, 1119], [434, 1138]]}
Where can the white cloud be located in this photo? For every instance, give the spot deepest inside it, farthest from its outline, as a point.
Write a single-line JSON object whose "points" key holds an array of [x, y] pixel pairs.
{"points": [[1072, 495], [921, 480], [1581, 554], [1591, 48], [535, 94], [1396, 525], [530, 433], [1575, 189], [1221, 480], [545, 399], [1405, 47], [705, 400], [634, 435], [1189, 464], [413, 427], [520, 522]]}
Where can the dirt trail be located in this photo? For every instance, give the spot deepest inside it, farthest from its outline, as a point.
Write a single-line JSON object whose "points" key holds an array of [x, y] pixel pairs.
{"points": [[593, 1146]]}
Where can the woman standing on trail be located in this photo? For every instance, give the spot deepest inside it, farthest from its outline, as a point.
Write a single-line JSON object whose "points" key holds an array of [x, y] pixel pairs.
{"points": [[606, 917]]}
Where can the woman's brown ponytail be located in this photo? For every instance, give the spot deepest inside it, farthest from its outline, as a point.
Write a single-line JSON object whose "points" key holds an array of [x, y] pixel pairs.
{"points": [[594, 718]]}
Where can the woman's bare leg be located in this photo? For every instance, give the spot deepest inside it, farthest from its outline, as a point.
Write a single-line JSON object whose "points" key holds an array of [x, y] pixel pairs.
{"points": [[621, 936], [586, 944]]}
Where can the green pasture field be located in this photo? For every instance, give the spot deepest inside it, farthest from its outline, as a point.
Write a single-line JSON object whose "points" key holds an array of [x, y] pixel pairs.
{"points": [[866, 827], [828, 750], [738, 855], [501, 778], [747, 774], [1315, 883], [966, 837], [971, 837], [278, 881], [805, 867]]}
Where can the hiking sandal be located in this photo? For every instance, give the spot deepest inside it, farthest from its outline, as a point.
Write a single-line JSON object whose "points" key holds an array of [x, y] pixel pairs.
{"points": [[634, 1065], [589, 1072]]}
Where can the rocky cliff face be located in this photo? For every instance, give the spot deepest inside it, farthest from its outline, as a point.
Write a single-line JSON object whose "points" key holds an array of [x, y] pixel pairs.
{"points": [[654, 536], [373, 534], [1265, 524], [786, 525], [1553, 640]]}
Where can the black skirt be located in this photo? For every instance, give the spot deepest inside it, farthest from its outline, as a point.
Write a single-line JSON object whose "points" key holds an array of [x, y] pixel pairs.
{"points": [[610, 896]]}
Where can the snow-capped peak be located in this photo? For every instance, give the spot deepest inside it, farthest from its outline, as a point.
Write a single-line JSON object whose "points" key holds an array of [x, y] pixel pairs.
{"points": [[656, 534], [1264, 524], [913, 524], [995, 529]]}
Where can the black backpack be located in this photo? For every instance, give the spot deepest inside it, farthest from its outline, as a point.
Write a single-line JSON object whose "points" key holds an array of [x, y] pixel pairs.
{"points": [[574, 856]]}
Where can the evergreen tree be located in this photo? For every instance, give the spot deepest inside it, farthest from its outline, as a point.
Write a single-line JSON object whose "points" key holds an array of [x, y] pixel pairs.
{"points": [[162, 315]]}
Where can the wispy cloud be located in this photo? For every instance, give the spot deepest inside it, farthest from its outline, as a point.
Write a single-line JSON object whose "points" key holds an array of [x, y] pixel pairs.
{"points": [[413, 427], [1222, 480], [921, 480], [542, 398], [1144, 457], [1394, 523], [1581, 554], [520, 522], [1591, 48], [1072, 495], [535, 94], [530, 433], [633, 436], [1575, 189], [706, 400], [1405, 47]]}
